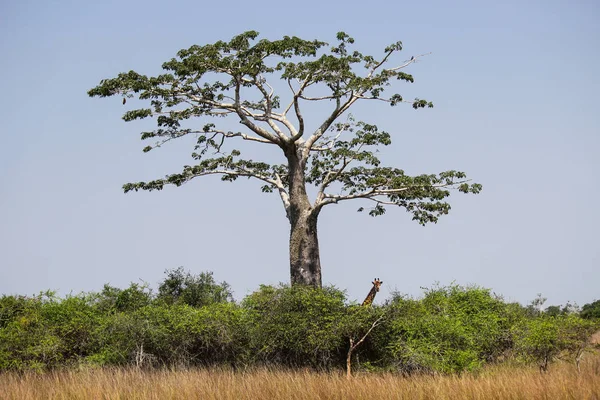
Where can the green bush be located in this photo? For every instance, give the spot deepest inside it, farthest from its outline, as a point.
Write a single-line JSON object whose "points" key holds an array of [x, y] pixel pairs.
{"points": [[452, 329], [295, 326], [28, 340], [546, 337], [193, 321], [200, 290], [171, 335], [184, 335], [591, 310]]}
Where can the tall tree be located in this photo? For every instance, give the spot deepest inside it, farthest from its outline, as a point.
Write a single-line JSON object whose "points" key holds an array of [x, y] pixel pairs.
{"points": [[229, 79]]}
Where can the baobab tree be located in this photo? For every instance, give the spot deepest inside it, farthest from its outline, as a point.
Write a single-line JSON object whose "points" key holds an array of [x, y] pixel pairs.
{"points": [[235, 79]]}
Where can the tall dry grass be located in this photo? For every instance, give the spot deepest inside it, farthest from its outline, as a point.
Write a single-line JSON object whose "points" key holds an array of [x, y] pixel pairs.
{"points": [[562, 382]]}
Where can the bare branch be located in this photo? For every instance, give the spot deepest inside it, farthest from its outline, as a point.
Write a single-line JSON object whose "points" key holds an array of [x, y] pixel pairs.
{"points": [[324, 97], [247, 137], [240, 172], [230, 134], [287, 109], [285, 198], [353, 346], [387, 203], [339, 110], [383, 99], [161, 142], [244, 119], [331, 176], [296, 105], [283, 119], [380, 63], [408, 62], [258, 82], [373, 326], [329, 144]]}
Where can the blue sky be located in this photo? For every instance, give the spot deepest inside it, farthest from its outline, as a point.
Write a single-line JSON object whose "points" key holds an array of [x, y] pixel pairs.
{"points": [[514, 86]]}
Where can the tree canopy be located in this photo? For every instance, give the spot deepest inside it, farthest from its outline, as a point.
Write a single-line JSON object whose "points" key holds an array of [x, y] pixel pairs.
{"points": [[235, 80]]}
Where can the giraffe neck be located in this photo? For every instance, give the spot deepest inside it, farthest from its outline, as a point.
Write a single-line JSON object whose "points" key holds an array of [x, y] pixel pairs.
{"points": [[370, 297]]}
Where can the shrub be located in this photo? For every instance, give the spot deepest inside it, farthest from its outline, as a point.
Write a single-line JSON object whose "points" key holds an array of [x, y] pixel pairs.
{"points": [[194, 321], [544, 338], [591, 310], [296, 326], [452, 329], [27, 340], [182, 287]]}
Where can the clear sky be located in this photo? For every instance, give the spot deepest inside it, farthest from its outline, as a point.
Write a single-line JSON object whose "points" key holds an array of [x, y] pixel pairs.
{"points": [[515, 87]]}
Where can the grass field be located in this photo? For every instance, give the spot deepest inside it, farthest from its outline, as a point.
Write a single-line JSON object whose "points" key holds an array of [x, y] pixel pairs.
{"points": [[562, 382]]}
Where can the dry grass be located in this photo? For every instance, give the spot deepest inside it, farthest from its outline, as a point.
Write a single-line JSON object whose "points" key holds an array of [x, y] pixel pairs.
{"points": [[562, 382]]}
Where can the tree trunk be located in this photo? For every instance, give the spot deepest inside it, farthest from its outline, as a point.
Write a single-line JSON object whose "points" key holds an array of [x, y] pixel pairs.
{"points": [[305, 262], [349, 359], [544, 365], [578, 357]]}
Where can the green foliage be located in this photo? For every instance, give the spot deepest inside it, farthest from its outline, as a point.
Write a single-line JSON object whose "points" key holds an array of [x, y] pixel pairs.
{"points": [[24, 341], [194, 290], [538, 340], [117, 338], [544, 338], [357, 320], [45, 332], [295, 326], [133, 298], [173, 335], [231, 79], [112, 299], [449, 330], [553, 311], [452, 329], [12, 307], [591, 310], [357, 327], [576, 333]]}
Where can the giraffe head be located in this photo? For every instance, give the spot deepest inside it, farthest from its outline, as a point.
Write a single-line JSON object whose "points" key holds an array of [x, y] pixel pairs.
{"points": [[377, 284]]}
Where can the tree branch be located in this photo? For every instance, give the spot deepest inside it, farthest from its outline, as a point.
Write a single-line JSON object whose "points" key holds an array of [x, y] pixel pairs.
{"points": [[294, 102], [327, 145], [374, 192], [354, 346], [373, 326], [408, 62], [244, 119], [268, 116], [331, 176], [285, 198], [339, 110], [247, 137]]}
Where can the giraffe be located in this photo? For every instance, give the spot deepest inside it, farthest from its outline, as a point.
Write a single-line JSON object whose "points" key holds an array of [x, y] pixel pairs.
{"points": [[353, 343], [371, 296]]}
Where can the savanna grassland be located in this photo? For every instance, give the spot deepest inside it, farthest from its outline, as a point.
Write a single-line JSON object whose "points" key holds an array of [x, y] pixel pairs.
{"points": [[190, 339], [561, 382]]}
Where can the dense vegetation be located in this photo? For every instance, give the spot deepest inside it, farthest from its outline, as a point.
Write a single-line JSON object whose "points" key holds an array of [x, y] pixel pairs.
{"points": [[192, 320]]}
